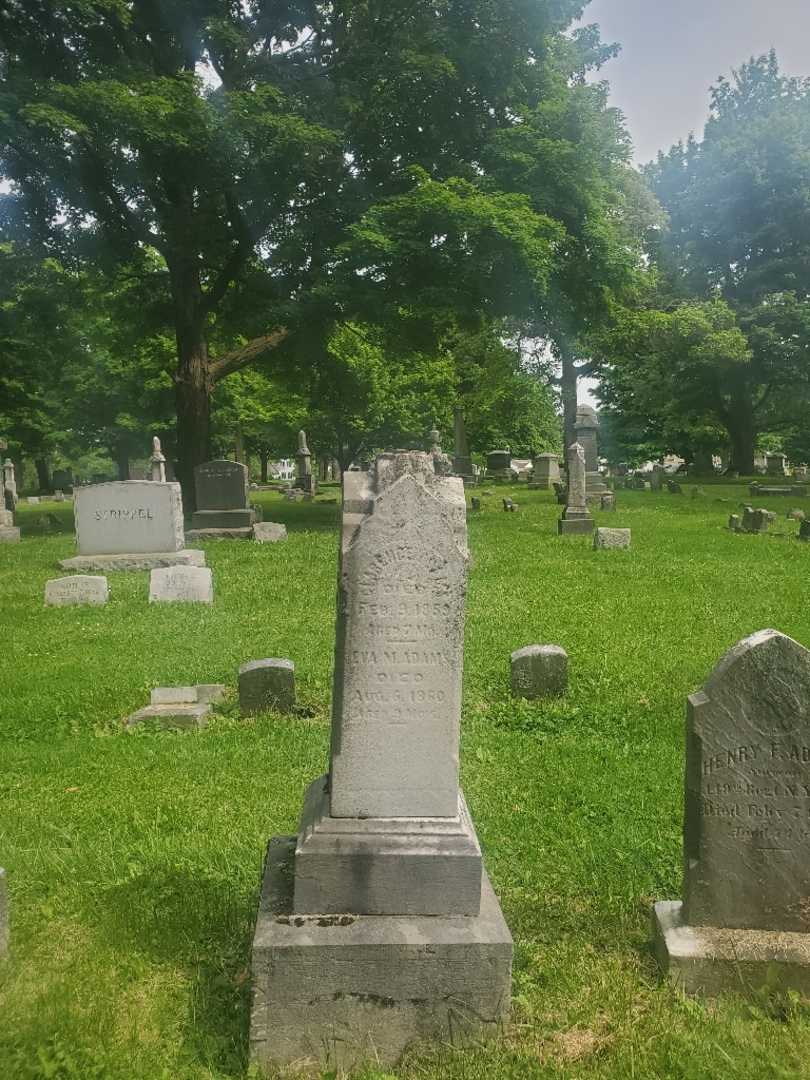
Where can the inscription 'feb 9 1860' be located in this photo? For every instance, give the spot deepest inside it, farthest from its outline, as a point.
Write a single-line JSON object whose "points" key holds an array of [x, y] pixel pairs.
{"points": [[747, 817], [400, 648]]}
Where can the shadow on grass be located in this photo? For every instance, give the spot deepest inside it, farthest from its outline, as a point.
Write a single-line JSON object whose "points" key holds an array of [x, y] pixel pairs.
{"points": [[205, 925]]}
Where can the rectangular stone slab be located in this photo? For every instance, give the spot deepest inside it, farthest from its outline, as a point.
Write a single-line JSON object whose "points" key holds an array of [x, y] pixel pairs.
{"points": [[336, 991], [150, 560], [575, 526], [223, 519], [708, 960], [389, 866], [128, 517]]}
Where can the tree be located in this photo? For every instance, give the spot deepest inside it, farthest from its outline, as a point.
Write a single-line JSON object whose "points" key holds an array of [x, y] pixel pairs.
{"points": [[739, 230]]}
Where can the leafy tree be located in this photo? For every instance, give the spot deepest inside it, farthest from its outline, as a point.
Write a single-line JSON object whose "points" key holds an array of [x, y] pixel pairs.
{"points": [[739, 230]]}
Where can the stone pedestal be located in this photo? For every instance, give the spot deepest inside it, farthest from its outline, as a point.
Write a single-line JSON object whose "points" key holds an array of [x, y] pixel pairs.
{"points": [[545, 472], [585, 429], [223, 502], [576, 519], [336, 992], [377, 926]]}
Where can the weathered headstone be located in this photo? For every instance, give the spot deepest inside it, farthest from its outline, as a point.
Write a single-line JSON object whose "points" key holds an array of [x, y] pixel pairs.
{"points": [[129, 525], [796, 515], [539, 671], [545, 472], [462, 462], [62, 479], [611, 538], [499, 465], [304, 479], [560, 493], [754, 521], [674, 488], [745, 918], [9, 534], [77, 589], [586, 428], [509, 506], [575, 518], [475, 503], [181, 584], [608, 501], [223, 502], [378, 927], [442, 463], [269, 532], [267, 684], [735, 523], [775, 464], [180, 708], [657, 478], [158, 462], [9, 485]]}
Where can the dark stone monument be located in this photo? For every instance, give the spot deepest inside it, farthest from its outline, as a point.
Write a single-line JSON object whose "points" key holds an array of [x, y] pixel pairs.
{"points": [[223, 498]]}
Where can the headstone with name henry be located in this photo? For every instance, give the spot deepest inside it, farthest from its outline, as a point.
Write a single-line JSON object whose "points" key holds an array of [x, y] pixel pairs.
{"points": [[377, 926], [745, 917]]}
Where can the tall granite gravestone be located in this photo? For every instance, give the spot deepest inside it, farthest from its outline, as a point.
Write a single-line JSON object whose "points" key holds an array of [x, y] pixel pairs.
{"points": [[304, 478], [575, 518], [130, 525], [585, 429], [545, 472], [745, 917], [223, 501], [377, 926], [462, 462]]}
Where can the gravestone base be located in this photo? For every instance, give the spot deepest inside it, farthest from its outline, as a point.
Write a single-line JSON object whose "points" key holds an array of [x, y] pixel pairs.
{"points": [[180, 717], [708, 960], [194, 536], [9, 534], [575, 526], [204, 520], [333, 992], [150, 560], [385, 866]]}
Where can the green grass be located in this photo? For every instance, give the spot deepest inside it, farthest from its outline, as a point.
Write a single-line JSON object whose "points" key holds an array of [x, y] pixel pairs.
{"points": [[134, 861]]}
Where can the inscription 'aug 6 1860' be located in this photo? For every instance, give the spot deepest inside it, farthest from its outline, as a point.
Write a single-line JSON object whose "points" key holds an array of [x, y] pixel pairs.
{"points": [[747, 820]]}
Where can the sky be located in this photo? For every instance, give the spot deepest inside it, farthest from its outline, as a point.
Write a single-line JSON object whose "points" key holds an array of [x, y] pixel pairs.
{"points": [[672, 52]]}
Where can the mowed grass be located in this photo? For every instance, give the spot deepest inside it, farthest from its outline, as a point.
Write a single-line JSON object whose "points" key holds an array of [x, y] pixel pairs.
{"points": [[134, 860]]}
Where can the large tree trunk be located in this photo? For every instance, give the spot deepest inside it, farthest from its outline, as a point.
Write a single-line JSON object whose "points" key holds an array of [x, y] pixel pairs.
{"points": [[741, 425], [193, 380], [264, 459], [239, 446], [568, 387], [122, 461], [43, 474]]}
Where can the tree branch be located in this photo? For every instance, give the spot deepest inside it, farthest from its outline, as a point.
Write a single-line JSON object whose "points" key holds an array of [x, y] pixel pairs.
{"points": [[245, 354], [237, 258]]}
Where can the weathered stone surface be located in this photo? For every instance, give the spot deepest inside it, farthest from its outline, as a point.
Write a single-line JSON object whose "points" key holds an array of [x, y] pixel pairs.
{"points": [[144, 561], [198, 536], [746, 840], [202, 693], [399, 866], [182, 717], [6, 519], [269, 532], [611, 538], [181, 584], [335, 992], [222, 485], [709, 960], [755, 521], [674, 488], [509, 506], [5, 933], [77, 589], [129, 517], [539, 671], [545, 471], [499, 463], [735, 523], [608, 501], [475, 503], [223, 519], [398, 657], [796, 515], [267, 684], [657, 478], [9, 535], [575, 518]]}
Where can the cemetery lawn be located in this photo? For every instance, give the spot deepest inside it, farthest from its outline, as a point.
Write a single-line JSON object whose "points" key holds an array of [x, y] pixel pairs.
{"points": [[134, 860]]}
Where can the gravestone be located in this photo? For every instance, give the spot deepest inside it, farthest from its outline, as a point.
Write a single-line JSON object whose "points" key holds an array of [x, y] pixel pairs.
{"points": [[267, 684], [539, 671], [130, 525], [499, 465], [223, 502], [674, 488], [509, 506], [545, 472], [269, 532], [475, 503], [745, 916], [377, 927], [754, 521], [560, 493], [181, 584], [586, 427], [575, 518], [9, 485], [442, 464], [4, 921], [462, 462], [611, 538], [735, 523], [158, 462], [304, 479], [62, 479], [33, 500], [796, 515], [77, 589], [790, 490], [657, 478], [775, 464], [608, 501], [178, 708], [9, 534]]}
